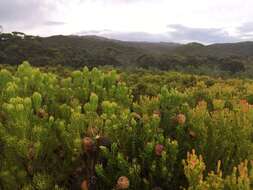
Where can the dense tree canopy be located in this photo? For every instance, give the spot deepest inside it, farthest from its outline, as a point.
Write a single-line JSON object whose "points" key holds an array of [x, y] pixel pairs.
{"points": [[77, 51]]}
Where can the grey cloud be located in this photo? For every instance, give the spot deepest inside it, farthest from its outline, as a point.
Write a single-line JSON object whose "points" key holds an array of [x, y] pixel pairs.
{"points": [[139, 36], [16, 10], [54, 23], [245, 31], [127, 36], [94, 32], [183, 33], [121, 1], [176, 33], [246, 35], [246, 28], [23, 14]]}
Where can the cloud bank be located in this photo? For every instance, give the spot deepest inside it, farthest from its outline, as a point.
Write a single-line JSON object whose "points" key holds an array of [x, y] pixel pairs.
{"points": [[204, 21], [175, 33]]}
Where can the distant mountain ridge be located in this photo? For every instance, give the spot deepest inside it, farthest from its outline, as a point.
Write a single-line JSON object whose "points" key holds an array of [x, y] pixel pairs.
{"points": [[78, 51]]}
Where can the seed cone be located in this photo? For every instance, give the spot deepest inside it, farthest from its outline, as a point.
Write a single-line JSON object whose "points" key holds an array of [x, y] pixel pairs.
{"points": [[123, 182], [41, 113], [159, 148], [181, 119], [84, 185], [88, 144]]}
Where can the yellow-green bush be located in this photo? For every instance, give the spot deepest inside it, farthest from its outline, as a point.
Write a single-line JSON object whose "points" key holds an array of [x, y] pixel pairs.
{"points": [[95, 129]]}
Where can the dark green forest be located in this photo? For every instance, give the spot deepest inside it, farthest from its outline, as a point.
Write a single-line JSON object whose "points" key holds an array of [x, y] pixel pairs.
{"points": [[92, 51]]}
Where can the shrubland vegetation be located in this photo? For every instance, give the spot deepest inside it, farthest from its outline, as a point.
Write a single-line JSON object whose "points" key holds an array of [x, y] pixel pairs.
{"points": [[106, 129]]}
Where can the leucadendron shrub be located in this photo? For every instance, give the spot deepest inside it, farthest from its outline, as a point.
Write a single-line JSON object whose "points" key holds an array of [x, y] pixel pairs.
{"points": [[92, 130], [222, 134], [241, 178]]}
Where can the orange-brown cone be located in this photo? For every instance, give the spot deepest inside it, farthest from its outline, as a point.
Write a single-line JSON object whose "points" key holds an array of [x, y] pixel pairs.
{"points": [[84, 185], [159, 148], [123, 183], [181, 119], [88, 144]]}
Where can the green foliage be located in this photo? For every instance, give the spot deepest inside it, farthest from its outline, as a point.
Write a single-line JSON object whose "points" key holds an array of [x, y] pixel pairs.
{"points": [[79, 51], [95, 129], [194, 167]]}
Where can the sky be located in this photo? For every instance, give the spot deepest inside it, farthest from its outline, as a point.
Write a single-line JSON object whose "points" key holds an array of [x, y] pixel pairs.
{"points": [[182, 21]]}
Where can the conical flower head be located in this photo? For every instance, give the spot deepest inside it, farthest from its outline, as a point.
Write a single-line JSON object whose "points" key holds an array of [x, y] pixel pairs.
{"points": [[123, 183]]}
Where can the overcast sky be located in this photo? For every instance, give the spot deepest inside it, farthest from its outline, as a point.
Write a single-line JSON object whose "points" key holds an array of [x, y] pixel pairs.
{"points": [[206, 21]]}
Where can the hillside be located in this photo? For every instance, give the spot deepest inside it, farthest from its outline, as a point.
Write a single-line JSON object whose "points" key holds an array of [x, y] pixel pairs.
{"points": [[240, 49], [77, 51]]}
